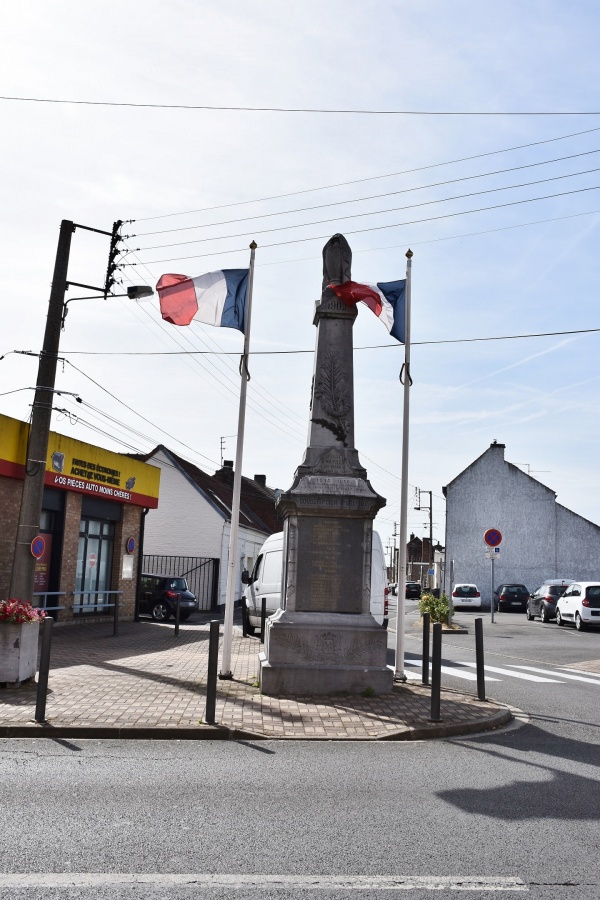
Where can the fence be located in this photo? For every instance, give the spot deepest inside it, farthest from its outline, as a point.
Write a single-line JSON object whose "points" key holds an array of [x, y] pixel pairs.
{"points": [[201, 573]]}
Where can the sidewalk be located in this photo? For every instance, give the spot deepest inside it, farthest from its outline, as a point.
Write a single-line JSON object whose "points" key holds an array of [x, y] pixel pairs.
{"points": [[147, 683]]}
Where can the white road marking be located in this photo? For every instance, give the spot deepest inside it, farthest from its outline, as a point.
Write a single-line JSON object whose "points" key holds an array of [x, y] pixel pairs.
{"points": [[522, 675], [450, 670], [561, 674], [285, 882], [595, 675]]}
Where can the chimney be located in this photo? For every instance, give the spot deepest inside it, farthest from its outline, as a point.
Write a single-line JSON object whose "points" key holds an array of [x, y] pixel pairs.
{"points": [[261, 480], [226, 473]]}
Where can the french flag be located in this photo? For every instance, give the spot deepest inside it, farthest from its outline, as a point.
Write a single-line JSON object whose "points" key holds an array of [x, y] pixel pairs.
{"points": [[387, 299], [218, 298]]}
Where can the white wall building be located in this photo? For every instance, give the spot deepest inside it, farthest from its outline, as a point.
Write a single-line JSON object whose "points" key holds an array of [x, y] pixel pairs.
{"points": [[540, 538], [193, 518]]}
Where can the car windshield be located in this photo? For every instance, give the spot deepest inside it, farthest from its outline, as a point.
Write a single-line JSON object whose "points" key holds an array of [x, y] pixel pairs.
{"points": [[556, 590], [177, 584], [466, 590], [593, 592], [516, 589]]}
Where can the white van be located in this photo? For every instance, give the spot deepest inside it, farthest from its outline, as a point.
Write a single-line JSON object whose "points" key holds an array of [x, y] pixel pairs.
{"points": [[265, 581]]}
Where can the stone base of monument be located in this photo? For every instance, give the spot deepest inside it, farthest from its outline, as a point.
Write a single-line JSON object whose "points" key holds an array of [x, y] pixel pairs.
{"points": [[324, 653]]}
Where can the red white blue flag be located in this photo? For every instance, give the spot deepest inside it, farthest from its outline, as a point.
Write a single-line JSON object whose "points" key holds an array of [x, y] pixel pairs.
{"points": [[218, 298], [387, 299]]}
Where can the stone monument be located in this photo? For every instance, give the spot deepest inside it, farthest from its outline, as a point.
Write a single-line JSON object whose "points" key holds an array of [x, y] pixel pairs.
{"points": [[323, 639]]}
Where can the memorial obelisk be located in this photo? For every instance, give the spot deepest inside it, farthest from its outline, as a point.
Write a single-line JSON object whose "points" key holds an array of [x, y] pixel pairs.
{"points": [[323, 639]]}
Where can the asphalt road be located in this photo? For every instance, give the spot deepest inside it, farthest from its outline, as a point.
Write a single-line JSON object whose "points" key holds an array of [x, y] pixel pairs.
{"points": [[512, 812]]}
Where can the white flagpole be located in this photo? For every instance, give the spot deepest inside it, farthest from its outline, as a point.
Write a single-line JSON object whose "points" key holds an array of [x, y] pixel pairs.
{"points": [[226, 672], [399, 674]]}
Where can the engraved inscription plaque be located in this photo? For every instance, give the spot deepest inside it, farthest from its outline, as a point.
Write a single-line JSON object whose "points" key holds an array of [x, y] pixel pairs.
{"points": [[330, 565]]}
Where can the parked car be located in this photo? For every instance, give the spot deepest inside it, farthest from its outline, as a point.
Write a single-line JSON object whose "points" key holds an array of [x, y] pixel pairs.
{"points": [[466, 595], [393, 588], [413, 590], [580, 605], [542, 602], [158, 597], [511, 596]]}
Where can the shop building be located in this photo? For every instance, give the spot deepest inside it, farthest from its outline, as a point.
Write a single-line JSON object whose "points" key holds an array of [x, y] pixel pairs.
{"points": [[91, 524]]}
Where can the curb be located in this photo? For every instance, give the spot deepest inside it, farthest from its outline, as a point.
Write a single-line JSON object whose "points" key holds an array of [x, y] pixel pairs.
{"points": [[224, 733]]}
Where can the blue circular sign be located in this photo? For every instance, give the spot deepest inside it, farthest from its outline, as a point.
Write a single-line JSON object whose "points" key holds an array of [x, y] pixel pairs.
{"points": [[493, 537], [130, 545], [38, 547]]}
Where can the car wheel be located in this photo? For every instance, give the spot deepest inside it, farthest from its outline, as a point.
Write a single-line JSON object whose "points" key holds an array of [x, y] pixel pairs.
{"points": [[544, 615], [579, 623], [160, 611], [559, 618], [529, 614]]}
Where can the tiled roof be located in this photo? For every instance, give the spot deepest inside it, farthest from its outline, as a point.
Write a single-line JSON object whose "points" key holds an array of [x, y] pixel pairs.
{"points": [[257, 502]]}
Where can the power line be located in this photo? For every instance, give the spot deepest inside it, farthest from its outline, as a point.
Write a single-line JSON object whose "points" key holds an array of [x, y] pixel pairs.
{"points": [[310, 110], [328, 187], [321, 237], [409, 190]]}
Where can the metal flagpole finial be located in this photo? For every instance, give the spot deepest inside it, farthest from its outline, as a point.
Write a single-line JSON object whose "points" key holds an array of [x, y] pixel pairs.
{"points": [[409, 254], [254, 245]]}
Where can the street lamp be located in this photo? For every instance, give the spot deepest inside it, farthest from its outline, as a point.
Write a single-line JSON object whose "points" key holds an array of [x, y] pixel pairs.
{"points": [[23, 570], [134, 292]]}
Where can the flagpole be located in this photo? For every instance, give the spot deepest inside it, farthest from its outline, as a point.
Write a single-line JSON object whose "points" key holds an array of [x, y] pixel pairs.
{"points": [[226, 672], [399, 674]]}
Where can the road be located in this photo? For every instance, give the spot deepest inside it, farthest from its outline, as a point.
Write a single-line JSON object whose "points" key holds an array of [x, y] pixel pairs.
{"points": [[511, 812]]}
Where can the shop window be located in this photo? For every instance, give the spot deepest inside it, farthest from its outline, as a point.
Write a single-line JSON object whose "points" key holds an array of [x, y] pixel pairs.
{"points": [[94, 567]]}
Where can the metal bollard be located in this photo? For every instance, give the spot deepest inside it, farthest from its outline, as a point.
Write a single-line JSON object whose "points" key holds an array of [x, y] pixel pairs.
{"points": [[425, 673], [479, 658], [116, 615], [211, 678], [263, 618], [42, 686], [436, 672], [177, 614], [244, 618]]}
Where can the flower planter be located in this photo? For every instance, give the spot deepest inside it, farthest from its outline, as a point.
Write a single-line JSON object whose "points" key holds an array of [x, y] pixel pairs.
{"points": [[18, 650]]}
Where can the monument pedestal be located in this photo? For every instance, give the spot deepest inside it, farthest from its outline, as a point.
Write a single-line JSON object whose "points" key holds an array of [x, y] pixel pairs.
{"points": [[324, 653]]}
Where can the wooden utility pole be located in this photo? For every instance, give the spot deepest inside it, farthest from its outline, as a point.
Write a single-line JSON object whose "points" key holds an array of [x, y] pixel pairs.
{"points": [[23, 570]]}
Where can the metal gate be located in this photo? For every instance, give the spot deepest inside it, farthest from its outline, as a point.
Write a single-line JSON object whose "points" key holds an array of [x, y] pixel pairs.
{"points": [[201, 572]]}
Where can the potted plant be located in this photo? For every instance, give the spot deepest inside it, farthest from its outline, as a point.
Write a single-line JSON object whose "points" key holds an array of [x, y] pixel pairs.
{"points": [[19, 632]]}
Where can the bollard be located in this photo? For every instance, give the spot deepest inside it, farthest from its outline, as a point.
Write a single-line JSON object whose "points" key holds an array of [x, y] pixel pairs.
{"points": [[42, 686], [116, 615], [425, 674], [244, 618], [177, 614], [479, 658], [263, 618], [211, 678], [436, 672]]}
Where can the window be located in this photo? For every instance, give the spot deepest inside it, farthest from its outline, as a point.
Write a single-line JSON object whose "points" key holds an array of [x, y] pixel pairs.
{"points": [[94, 566], [272, 568]]}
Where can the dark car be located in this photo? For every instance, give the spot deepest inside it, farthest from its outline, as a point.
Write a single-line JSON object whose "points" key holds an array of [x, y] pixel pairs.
{"points": [[543, 600], [511, 596], [413, 590], [158, 597]]}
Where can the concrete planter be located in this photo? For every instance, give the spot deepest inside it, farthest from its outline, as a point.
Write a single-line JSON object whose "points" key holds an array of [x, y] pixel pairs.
{"points": [[18, 651]]}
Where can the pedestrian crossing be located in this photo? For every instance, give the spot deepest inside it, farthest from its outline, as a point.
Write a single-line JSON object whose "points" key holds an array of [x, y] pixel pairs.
{"points": [[463, 670]]}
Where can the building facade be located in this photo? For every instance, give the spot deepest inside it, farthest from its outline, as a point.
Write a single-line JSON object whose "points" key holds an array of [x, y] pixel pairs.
{"points": [[89, 528], [540, 538], [193, 521]]}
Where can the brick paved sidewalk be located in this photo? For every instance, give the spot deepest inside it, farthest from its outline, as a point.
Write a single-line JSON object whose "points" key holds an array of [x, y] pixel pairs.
{"points": [[149, 683]]}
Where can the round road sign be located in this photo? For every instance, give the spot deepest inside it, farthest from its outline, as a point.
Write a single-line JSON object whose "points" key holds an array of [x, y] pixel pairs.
{"points": [[92, 560], [130, 546], [38, 546], [493, 537]]}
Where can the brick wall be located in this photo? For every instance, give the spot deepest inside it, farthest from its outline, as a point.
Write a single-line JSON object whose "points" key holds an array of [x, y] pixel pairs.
{"points": [[129, 526]]}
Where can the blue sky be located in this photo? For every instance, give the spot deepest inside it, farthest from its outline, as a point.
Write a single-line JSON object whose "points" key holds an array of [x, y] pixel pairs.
{"points": [[529, 265]]}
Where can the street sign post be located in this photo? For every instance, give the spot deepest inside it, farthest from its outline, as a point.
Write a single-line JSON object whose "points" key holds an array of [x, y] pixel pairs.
{"points": [[492, 539]]}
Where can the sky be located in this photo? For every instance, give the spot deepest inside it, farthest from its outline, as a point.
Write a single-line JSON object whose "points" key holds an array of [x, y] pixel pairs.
{"points": [[468, 132]]}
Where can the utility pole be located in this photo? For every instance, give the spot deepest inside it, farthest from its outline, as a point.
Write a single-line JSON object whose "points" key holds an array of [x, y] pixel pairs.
{"points": [[430, 508], [23, 570], [395, 563]]}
